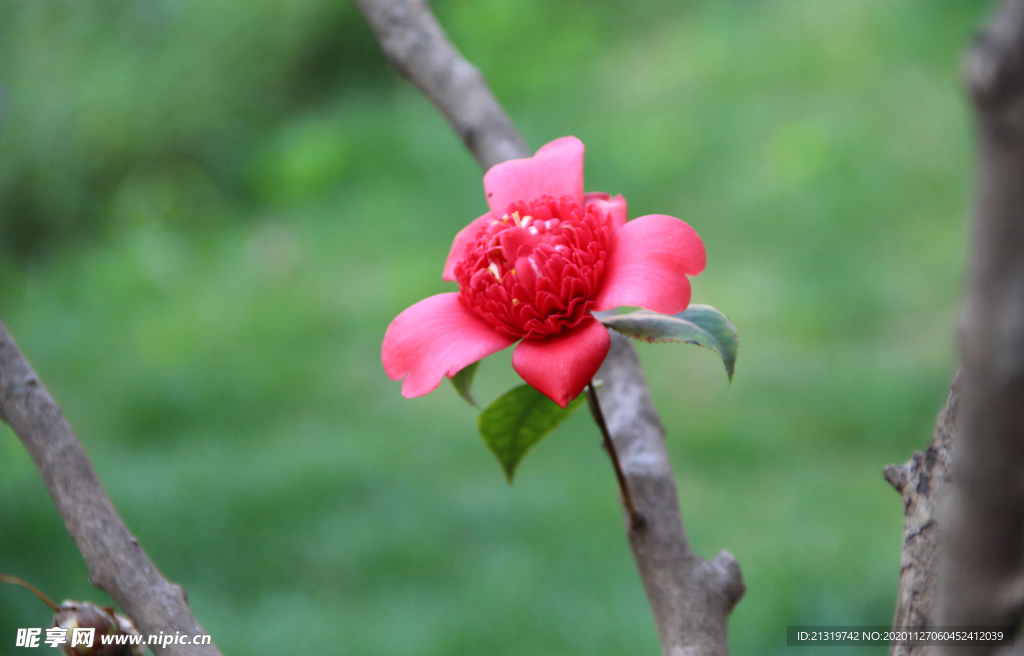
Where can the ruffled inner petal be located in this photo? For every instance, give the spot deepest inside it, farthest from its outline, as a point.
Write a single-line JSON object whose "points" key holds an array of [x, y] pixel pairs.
{"points": [[614, 205], [534, 272]]}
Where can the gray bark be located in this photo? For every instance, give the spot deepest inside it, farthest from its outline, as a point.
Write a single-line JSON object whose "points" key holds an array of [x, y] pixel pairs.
{"points": [[116, 561], [982, 567], [417, 47], [691, 597], [922, 483]]}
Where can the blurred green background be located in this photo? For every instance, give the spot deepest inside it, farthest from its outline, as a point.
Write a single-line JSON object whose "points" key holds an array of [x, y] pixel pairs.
{"points": [[210, 211]]}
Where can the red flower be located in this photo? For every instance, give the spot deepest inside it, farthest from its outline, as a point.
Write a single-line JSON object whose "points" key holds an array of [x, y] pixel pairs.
{"points": [[533, 269]]}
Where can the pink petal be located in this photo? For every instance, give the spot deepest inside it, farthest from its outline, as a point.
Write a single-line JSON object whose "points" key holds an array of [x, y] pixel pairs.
{"points": [[560, 367], [556, 170], [616, 206], [434, 338], [458, 250], [648, 262]]}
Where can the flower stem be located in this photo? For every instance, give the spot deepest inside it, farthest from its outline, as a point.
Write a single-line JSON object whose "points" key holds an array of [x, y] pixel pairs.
{"points": [[636, 520]]}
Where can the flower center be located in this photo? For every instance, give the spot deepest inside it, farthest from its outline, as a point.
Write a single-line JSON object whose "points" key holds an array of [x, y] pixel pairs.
{"points": [[535, 272]]}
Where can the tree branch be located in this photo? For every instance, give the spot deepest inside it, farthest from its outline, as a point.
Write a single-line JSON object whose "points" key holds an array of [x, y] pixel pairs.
{"points": [[416, 46], [983, 560], [116, 562], [922, 483], [691, 598]]}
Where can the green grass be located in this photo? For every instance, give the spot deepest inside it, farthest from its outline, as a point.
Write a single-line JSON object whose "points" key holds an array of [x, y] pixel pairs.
{"points": [[202, 270]]}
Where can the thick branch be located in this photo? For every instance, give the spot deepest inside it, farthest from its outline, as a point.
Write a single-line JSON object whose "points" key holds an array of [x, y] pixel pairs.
{"points": [[691, 598], [117, 564], [983, 559], [922, 483], [417, 47]]}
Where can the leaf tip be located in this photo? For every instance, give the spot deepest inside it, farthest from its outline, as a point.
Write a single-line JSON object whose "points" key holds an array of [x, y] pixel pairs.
{"points": [[515, 422], [462, 381], [509, 466]]}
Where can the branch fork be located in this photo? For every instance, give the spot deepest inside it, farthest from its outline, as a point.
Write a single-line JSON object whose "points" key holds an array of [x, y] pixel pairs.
{"points": [[691, 598]]}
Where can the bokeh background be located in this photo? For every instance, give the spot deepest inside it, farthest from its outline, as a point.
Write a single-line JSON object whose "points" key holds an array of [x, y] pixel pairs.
{"points": [[210, 211]]}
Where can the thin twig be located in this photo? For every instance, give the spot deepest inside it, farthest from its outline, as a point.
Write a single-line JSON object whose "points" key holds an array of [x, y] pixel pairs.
{"points": [[14, 580], [115, 560], [636, 520]]}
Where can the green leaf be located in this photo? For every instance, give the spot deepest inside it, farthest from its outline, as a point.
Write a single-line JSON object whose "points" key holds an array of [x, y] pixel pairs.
{"points": [[463, 381], [517, 420], [702, 325]]}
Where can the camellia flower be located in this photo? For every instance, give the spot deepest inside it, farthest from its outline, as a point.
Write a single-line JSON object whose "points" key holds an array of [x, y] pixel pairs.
{"points": [[532, 269]]}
